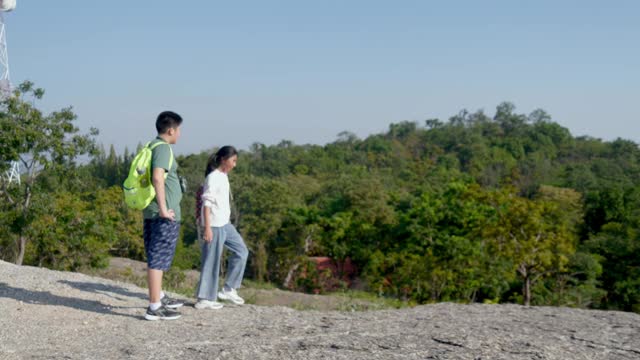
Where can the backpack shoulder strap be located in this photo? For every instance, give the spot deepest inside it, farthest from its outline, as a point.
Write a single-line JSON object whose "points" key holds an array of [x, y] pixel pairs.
{"points": [[151, 147], [170, 150]]}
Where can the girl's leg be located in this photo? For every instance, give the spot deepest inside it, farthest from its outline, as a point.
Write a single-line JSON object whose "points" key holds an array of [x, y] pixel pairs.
{"points": [[238, 258], [210, 272]]}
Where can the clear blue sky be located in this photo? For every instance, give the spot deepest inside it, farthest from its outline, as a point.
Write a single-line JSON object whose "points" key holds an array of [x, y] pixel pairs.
{"points": [[263, 71]]}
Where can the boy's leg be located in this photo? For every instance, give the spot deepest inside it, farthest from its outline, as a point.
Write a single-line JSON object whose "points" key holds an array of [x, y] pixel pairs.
{"points": [[238, 258], [160, 240], [210, 272], [154, 280]]}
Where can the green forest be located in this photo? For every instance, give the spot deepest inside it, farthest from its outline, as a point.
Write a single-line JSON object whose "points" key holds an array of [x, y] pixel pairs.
{"points": [[497, 208]]}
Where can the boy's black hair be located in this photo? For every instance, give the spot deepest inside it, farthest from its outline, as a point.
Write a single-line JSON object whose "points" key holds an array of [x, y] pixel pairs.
{"points": [[167, 120]]}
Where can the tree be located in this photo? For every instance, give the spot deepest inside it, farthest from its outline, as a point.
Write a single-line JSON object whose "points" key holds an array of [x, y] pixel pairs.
{"points": [[40, 143], [263, 205], [69, 234], [535, 235]]}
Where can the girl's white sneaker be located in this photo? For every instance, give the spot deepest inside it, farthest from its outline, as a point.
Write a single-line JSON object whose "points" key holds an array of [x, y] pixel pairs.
{"points": [[208, 304], [231, 295]]}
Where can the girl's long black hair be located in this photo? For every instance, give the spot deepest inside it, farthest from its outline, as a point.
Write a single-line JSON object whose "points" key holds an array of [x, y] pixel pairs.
{"points": [[218, 157]]}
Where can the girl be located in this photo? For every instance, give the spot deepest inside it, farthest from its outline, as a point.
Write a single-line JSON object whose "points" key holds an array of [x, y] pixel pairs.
{"points": [[218, 232]]}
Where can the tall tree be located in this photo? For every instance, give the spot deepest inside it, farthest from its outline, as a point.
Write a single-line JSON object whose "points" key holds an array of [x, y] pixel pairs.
{"points": [[535, 235], [39, 142]]}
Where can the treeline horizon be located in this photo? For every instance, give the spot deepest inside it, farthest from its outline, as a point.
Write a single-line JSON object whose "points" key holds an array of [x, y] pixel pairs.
{"points": [[477, 208]]}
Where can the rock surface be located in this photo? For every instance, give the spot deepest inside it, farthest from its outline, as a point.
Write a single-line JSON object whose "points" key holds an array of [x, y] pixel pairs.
{"points": [[47, 314]]}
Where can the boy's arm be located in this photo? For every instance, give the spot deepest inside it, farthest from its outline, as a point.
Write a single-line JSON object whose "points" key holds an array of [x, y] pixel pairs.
{"points": [[157, 179]]}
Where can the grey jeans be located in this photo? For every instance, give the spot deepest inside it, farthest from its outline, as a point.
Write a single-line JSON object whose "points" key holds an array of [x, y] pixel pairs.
{"points": [[224, 236]]}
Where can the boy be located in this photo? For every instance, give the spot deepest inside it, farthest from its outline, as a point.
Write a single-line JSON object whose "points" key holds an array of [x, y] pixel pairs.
{"points": [[162, 217]]}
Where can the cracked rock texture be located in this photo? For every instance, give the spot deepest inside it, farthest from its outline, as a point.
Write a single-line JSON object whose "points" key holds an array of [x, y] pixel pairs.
{"points": [[47, 314]]}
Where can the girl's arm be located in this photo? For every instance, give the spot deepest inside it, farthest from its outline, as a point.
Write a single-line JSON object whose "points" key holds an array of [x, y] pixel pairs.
{"points": [[209, 200], [211, 192], [208, 234]]}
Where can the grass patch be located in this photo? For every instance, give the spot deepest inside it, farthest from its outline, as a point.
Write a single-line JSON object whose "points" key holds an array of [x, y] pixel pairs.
{"points": [[247, 283], [184, 282], [355, 300]]}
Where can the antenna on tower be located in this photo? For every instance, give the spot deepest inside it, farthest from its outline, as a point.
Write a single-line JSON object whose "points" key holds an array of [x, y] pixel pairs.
{"points": [[13, 174]]}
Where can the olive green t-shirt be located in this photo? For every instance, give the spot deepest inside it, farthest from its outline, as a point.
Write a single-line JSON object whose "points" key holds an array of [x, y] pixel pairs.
{"points": [[172, 190]]}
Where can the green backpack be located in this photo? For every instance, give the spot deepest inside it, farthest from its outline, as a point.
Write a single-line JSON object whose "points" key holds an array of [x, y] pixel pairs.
{"points": [[138, 190]]}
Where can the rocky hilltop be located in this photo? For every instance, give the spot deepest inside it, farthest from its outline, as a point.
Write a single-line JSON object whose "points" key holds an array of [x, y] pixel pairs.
{"points": [[48, 314]]}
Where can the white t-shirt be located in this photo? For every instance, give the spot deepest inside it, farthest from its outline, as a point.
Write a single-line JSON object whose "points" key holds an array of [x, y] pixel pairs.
{"points": [[216, 197]]}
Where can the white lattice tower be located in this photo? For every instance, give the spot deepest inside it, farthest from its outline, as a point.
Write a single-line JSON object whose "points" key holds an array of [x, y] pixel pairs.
{"points": [[13, 174], [5, 79]]}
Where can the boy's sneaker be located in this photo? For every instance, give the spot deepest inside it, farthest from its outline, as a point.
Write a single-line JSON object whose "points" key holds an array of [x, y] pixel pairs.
{"points": [[171, 303], [231, 295], [163, 313], [208, 304]]}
